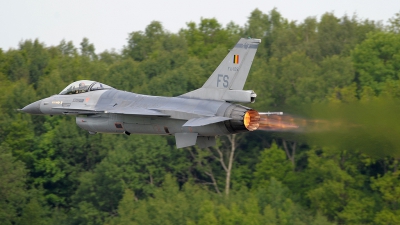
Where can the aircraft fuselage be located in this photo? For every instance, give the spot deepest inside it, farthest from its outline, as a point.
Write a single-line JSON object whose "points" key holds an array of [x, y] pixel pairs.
{"points": [[103, 112]]}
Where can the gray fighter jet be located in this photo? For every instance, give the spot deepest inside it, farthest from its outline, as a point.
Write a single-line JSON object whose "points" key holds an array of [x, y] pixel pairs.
{"points": [[193, 118]]}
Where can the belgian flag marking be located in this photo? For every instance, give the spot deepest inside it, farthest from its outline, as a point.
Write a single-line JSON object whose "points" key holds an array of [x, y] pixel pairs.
{"points": [[236, 59]]}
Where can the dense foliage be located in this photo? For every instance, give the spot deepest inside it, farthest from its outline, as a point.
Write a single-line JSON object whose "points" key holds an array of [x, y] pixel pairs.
{"points": [[52, 172]]}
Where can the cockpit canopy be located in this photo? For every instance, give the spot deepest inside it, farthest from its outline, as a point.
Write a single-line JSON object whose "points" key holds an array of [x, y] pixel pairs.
{"points": [[83, 86]]}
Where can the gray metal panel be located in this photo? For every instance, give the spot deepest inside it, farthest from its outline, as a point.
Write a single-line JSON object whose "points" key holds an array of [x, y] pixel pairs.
{"points": [[130, 103], [33, 108], [77, 109], [137, 111], [231, 74], [185, 139], [196, 122], [240, 79], [227, 73]]}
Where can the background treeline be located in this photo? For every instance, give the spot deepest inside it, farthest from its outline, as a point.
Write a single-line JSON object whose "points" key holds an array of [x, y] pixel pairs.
{"points": [[52, 172]]}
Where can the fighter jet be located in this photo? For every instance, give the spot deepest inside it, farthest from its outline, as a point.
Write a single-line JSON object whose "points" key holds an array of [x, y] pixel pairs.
{"points": [[196, 117]]}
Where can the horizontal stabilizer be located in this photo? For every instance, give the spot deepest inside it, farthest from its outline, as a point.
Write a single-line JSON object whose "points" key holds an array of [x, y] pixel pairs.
{"points": [[202, 121]]}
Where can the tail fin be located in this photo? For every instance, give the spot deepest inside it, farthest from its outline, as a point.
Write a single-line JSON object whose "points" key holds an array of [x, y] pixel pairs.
{"points": [[227, 81], [232, 72]]}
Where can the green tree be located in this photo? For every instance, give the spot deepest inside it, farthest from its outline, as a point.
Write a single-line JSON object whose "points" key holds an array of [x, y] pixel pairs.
{"points": [[87, 49], [376, 60], [273, 163], [37, 58], [12, 186], [258, 24], [126, 210], [395, 23], [336, 187], [67, 48], [33, 213], [205, 36], [388, 187]]}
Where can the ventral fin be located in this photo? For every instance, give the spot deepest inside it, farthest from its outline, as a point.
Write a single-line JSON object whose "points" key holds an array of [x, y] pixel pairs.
{"points": [[185, 139]]}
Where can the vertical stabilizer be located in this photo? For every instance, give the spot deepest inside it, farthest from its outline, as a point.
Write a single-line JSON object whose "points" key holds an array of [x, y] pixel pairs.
{"points": [[234, 69], [230, 75]]}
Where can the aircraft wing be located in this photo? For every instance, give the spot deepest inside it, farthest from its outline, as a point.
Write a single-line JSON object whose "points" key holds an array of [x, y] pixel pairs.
{"points": [[137, 111], [126, 111], [202, 121], [77, 110]]}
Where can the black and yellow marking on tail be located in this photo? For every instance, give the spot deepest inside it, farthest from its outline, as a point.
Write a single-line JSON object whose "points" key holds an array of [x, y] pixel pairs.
{"points": [[236, 59]]}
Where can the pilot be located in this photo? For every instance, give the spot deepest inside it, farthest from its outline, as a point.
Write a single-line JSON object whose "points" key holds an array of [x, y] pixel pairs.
{"points": [[81, 87]]}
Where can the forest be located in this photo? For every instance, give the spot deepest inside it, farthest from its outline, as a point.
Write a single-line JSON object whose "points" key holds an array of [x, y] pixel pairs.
{"points": [[341, 71]]}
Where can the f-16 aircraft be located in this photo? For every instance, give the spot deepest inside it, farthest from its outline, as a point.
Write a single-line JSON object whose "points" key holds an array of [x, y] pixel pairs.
{"points": [[196, 117]]}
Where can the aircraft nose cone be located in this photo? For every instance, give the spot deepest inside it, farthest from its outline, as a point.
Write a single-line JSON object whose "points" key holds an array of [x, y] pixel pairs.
{"points": [[33, 108]]}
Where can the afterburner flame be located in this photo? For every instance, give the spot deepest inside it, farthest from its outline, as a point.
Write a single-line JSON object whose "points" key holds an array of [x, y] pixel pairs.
{"points": [[254, 120], [251, 120], [277, 122]]}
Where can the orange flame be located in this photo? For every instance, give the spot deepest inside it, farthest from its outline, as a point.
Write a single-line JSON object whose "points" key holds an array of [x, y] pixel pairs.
{"points": [[254, 120], [251, 120], [291, 123], [277, 122]]}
